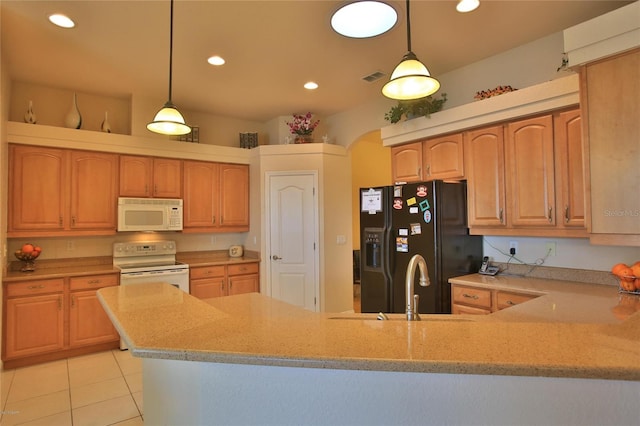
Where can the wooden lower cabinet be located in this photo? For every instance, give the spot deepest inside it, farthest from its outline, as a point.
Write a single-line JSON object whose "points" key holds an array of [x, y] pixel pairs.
{"points": [[88, 322], [224, 280], [481, 301], [51, 319]]}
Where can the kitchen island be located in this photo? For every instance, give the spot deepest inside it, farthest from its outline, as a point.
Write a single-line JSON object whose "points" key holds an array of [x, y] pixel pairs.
{"points": [[250, 359]]}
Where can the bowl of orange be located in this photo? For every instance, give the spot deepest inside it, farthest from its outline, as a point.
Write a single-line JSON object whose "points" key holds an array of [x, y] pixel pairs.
{"points": [[628, 277], [28, 253]]}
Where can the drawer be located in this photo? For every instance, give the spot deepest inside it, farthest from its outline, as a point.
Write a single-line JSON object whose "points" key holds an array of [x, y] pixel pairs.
{"points": [[243, 269], [507, 299], [206, 272], [479, 297], [93, 281], [29, 288]]}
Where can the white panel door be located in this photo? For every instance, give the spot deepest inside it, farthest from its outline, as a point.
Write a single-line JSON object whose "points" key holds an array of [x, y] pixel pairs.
{"points": [[292, 240]]}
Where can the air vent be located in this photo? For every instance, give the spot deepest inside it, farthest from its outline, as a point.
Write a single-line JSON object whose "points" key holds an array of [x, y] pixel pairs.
{"points": [[373, 76]]}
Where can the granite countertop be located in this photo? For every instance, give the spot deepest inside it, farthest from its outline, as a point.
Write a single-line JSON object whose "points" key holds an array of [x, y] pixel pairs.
{"points": [[159, 321], [60, 268]]}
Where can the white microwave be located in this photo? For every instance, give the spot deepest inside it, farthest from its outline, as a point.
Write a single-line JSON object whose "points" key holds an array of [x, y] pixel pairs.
{"points": [[149, 214]]}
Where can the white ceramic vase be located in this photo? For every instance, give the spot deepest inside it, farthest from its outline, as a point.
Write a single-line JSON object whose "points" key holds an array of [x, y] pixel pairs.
{"points": [[105, 126], [73, 120], [30, 116]]}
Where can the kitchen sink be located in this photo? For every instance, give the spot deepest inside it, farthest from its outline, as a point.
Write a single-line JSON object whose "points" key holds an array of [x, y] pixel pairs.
{"points": [[402, 317]]}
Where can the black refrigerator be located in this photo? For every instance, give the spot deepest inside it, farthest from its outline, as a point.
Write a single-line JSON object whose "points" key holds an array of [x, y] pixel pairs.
{"points": [[397, 222]]}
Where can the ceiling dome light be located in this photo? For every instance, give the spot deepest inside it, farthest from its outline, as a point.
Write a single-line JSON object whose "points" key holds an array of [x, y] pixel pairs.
{"points": [[410, 79], [467, 5], [61, 20], [364, 19], [311, 85], [216, 60]]}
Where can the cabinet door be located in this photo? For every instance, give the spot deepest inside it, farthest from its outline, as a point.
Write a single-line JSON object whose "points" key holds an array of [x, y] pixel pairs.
{"points": [[443, 157], [88, 322], [531, 189], [234, 196], [94, 190], [34, 325], [37, 188], [485, 176], [612, 105], [167, 178], [569, 169], [208, 288], [406, 162], [241, 284], [136, 174], [201, 182], [507, 299], [468, 310]]}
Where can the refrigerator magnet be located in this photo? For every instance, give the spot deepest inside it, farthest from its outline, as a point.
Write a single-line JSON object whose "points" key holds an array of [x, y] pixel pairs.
{"points": [[403, 232], [397, 203], [413, 210], [421, 191], [416, 229], [411, 201], [424, 205], [402, 244], [427, 216], [397, 191]]}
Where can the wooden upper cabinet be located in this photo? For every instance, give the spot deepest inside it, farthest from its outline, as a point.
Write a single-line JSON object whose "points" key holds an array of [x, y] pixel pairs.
{"points": [[485, 173], [570, 190], [443, 157], [37, 188], [234, 195], [94, 190], [58, 191], [201, 183], [406, 162], [530, 167], [610, 99], [150, 177]]}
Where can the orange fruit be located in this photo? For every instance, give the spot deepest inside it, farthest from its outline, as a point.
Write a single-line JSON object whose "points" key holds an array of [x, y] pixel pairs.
{"points": [[635, 268], [625, 274], [615, 270], [27, 248], [637, 284]]}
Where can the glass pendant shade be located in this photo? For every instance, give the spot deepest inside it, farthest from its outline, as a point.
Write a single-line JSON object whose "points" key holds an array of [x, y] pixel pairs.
{"points": [[169, 121], [410, 80]]}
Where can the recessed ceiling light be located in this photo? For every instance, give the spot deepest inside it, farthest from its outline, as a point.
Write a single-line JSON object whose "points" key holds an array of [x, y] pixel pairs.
{"points": [[467, 5], [216, 60], [364, 19], [61, 20], [311, 85]]}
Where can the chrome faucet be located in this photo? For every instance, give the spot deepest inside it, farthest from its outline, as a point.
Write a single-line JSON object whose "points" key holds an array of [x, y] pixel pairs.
{"points": [[412, 299]]}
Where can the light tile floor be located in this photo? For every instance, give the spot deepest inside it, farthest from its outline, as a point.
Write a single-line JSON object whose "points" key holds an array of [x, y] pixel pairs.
{"points": [[98, 389]]}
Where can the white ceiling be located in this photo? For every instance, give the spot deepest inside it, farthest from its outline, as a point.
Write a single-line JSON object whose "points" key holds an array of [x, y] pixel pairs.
{"points": [[121, 47]]}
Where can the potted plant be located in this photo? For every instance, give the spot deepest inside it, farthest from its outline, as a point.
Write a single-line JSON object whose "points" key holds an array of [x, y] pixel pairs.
{"points": [[422, 107], [302, 127]]}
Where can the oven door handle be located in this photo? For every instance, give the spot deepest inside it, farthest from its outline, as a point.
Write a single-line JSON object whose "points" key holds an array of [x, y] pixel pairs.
{"points": [[167, 272]]}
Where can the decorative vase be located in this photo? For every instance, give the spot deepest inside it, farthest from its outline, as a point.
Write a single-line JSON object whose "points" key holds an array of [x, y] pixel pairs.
{"points": [[30, 116], [303, 139], [73, 120], [105, 126]]}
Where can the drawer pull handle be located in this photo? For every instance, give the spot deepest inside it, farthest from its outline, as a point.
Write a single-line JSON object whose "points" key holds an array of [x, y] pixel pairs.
{"points": [[470, 296], [35, 287], [566, 214], [500, 216], [93, 282], [550, 215], [509, 302]]}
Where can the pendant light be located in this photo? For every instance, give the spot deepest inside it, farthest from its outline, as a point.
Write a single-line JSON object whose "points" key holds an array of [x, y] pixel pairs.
{"points": [[410, 79], [169, 121]]}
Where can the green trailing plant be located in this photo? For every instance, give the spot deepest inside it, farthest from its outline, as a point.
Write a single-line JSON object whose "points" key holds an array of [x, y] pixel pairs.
{"points": [[422, 107]]}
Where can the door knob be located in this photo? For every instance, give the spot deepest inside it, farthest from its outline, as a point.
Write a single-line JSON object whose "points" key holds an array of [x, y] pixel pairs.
{"points": [[274, 257]]}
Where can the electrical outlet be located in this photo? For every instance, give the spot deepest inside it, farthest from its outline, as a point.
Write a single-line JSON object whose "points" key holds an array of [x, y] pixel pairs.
{"points": [[214, 240], [513, 248], [550, 248], [71, 246], [341, 239]]}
